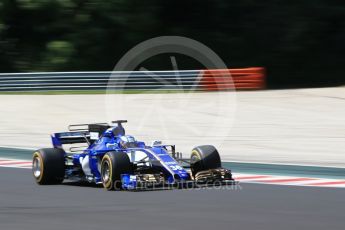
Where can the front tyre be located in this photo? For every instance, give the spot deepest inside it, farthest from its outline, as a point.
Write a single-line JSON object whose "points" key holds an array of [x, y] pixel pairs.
{"points": [[113, 165], [48, 166], [204, 157]]}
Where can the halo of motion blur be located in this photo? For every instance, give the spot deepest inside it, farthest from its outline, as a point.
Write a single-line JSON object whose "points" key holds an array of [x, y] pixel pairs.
{"points": [[186, 117]]}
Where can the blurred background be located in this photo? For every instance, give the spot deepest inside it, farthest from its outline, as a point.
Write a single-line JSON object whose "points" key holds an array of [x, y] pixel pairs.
{"points": [[301, 43]]}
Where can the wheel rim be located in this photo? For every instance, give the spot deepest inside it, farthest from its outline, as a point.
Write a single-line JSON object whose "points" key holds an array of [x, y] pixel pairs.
{"points": [[36, 168], [105, 172], [194, 159]]}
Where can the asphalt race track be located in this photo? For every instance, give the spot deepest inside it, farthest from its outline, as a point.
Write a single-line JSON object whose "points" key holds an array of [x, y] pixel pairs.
{"points": [[25, 205]]}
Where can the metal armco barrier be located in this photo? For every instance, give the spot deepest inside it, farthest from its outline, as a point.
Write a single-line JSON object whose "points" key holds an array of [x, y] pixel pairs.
{"points": [[204, 80]]}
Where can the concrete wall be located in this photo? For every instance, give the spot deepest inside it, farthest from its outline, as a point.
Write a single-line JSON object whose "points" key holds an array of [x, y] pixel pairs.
{"points": [[304, 126]]}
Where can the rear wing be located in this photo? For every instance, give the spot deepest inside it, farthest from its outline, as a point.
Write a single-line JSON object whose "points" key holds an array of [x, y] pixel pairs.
{"points": [[80, 133]]}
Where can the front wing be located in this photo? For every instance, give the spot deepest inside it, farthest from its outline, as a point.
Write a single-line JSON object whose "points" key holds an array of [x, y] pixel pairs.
{"points": [[208, 178]]}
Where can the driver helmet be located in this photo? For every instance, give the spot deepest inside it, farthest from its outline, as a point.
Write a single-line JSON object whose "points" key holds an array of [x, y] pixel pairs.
{"points": [[128, 142]]}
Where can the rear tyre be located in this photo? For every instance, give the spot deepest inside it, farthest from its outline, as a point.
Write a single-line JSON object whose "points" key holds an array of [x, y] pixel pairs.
{"points": [[204, 157], [48, 166], [113, 165]]}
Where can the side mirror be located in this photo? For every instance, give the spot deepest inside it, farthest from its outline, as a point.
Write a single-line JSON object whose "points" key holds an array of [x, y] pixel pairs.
{"points": [[156, 143]]}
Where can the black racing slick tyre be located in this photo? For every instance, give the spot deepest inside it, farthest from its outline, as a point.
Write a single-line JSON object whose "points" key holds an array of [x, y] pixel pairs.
{"points": [[48, 166], [113, 165], [204, 157]]}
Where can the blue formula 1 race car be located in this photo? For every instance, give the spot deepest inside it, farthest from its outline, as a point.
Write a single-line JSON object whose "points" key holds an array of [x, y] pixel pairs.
{"points": [[104, 154]]}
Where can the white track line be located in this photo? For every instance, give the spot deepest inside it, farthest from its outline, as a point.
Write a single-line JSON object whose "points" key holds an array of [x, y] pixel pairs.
{"points": [[289, 180]]}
